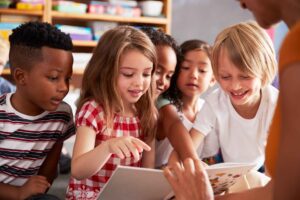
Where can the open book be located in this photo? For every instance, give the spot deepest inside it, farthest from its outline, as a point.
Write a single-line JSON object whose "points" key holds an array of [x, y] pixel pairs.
{"points": [[224, 175], [133, 183]]}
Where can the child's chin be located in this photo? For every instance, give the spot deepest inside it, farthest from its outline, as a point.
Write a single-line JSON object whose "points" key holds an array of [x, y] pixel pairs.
{"points": [[52, 108]]}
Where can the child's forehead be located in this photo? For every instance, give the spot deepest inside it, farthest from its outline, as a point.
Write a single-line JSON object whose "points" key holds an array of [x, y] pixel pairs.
{"points": [[50, 51], [226, 65], [55, 58]]}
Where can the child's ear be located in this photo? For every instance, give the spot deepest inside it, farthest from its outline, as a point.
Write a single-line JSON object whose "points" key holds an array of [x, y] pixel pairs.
{"points": [[19, 76], [212, 81]]}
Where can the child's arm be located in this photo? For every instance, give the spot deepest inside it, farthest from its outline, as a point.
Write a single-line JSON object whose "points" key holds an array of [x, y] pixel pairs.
{"points": [[197, 138], [34, 185], [287, 175], [148, 157], [49, 166], [87, 159], [176, 132]]}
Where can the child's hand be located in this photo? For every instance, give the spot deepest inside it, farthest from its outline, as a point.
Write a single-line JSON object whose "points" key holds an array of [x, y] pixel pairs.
{"points": [[189, 181], [173, 159], [34, 185], [124, 146]]}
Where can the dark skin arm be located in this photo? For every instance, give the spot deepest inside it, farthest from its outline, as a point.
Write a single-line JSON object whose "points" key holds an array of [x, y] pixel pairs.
{"points": [[36, 184], [287, 177], [49, 166], [172, 127]]}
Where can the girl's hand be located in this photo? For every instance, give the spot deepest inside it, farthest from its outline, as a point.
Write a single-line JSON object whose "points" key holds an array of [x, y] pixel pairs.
{"points": [[124, 146]]}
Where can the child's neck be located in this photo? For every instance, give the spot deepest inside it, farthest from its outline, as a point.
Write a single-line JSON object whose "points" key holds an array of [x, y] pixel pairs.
{"points": [[20, 104], [129, 111], [189, 107]]}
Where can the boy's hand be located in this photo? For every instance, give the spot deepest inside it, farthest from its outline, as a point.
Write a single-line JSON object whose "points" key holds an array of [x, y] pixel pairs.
{"points": [[124, 146], [34, 185]]}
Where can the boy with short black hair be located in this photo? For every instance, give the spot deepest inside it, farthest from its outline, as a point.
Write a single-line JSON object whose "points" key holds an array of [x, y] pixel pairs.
{"points": [[34, 121]]}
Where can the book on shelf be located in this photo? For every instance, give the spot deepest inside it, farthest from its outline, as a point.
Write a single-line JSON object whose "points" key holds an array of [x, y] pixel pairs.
{"points": [[129, 183]]}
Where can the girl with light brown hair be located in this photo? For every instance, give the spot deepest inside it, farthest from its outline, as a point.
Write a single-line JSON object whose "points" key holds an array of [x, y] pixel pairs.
{"points": [[116, 114]]}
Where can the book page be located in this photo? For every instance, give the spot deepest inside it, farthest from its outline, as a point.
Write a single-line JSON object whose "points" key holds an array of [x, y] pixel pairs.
{"points": [[224, 175]]}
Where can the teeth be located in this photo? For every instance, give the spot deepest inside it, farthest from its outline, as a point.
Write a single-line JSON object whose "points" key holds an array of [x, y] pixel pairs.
{"points": [[238, 94]]}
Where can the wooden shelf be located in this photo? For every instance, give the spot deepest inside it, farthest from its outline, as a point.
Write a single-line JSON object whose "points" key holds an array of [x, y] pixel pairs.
{"points": [[10, 11], [50, 16], [111, 18]]}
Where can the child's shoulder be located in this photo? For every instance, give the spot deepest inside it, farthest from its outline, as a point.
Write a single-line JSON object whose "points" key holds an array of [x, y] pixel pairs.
{"points": [[92, 104], [271, 94], [161, 102], [63, 112], [63, 106], [90, 107]]}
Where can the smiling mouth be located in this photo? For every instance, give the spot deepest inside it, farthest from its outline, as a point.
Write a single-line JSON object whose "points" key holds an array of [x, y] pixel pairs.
{"points": [[238, 94], [135, 92]]}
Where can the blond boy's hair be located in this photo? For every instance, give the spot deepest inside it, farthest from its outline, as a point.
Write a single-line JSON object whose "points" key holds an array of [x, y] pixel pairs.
{"points": [[249, 48]]}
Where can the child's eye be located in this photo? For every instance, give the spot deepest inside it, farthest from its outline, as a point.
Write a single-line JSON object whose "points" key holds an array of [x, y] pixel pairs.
{"points": [[127, 74], [169, 77], [245, 77], [225, 77], [202, 71], [52, 78], [147, 74], [184, 67]]}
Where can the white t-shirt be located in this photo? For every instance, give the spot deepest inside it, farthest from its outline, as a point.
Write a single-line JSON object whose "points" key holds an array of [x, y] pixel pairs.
{"points": [[241, 140], [163, 148]]}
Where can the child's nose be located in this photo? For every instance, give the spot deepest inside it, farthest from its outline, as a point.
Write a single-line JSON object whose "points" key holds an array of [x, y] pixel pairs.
{"points": [[194, 73], [235, 84], [63, 86], [161, 80], [139, 80]]}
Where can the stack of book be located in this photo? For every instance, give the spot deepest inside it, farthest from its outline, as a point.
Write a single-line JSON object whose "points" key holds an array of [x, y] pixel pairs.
{"points": [[30, 5], [77, 32]]}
